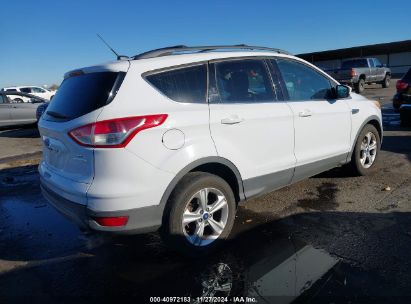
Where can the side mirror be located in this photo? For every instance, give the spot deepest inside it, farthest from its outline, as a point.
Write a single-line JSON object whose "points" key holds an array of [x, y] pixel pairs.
{"points": [[342, 91]]}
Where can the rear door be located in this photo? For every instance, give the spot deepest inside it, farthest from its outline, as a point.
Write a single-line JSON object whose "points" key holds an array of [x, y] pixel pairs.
{"points": [[251, 124], [5, 116], [322, 125]]}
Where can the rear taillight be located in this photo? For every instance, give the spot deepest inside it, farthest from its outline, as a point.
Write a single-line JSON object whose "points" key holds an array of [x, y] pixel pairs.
{"points": [[353, 73], [114, 133], [401, 85]]}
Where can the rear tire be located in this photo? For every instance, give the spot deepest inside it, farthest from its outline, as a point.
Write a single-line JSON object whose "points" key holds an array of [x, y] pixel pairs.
{"points": [[360, 86], [386, 81], [190, 224], [366, 151]]}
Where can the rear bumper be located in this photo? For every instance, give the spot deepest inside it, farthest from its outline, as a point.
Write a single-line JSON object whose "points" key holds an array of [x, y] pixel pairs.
{"points": [[400, 99], [140, 220]]}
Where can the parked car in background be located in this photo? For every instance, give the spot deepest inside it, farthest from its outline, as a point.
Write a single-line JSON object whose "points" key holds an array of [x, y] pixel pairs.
{"points": [[33, 90], [358, 72], [13, 112], [211, 128], [41, 109], [403, 95]]}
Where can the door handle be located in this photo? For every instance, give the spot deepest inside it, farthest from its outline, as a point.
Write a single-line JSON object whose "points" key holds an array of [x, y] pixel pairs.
{"points": [[231, 120], [305, 113]]}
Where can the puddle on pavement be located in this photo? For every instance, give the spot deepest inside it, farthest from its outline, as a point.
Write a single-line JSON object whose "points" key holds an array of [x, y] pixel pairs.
{"points": [[260, 263]]}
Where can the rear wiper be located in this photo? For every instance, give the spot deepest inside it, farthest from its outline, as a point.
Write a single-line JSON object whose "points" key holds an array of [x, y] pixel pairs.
{"points": [[56, 115]]}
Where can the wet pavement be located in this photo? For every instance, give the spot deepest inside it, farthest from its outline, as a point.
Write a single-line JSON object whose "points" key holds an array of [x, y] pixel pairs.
{"points": [[329, 239]]}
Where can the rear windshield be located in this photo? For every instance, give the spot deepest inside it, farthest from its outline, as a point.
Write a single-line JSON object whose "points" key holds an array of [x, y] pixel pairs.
{"points": [[407, 77], [356, 63], [79, 95]]}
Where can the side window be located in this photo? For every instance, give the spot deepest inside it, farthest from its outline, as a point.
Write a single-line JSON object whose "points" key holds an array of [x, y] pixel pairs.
{"points": [[303, 82], [182, 85], [37, 90], [377, 62], [371, 63], [243, 81], [25, 90]]}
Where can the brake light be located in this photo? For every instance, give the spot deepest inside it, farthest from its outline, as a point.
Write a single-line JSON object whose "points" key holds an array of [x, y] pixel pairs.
{"points": [[401, 85], [114, 133], [353, 73], [117, 221]]}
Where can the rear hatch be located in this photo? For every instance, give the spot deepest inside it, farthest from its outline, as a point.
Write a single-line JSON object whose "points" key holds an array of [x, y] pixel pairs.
{"points": [[78, 102]]}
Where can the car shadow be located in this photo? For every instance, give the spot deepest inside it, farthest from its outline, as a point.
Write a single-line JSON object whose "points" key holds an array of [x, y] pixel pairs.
{"points": [[30, 131]]}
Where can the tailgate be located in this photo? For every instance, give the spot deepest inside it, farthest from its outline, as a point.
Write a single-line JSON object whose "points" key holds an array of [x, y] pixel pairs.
{"points": [[78, 102]]}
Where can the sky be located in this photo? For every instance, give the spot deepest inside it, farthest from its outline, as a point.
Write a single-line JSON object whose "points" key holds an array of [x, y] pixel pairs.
{"points": [[41, 40]]}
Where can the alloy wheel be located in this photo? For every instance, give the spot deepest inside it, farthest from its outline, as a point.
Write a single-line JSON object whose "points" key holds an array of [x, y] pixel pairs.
{"points": [[205, 216]]}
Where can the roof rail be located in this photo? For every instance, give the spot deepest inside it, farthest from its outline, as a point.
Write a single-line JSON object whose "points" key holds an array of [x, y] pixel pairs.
{"points": [[182, 48]]}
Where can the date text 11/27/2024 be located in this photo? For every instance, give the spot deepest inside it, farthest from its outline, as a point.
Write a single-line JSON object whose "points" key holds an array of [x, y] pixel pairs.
{"points": [[203, 300]]}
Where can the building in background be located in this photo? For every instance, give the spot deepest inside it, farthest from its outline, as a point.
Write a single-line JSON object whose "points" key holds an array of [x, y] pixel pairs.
{"points": [[396, 55]]}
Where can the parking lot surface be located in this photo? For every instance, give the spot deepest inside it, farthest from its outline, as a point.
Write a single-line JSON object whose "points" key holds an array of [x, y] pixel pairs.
{"points": [[331, 238]]}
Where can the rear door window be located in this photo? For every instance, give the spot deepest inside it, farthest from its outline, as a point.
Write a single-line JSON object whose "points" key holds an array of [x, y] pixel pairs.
{"points": [[25, 90], [182, 84], [79, 95], [244, 81]]}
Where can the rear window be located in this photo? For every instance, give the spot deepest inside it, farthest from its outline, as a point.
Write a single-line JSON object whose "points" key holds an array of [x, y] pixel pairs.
{"points": [[356, 63], [407, 77], [182, 85], [79, 95]]}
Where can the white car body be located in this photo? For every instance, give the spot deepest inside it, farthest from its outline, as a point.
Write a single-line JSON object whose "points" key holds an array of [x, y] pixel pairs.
{"points": [[266, 145], [33, 90]]}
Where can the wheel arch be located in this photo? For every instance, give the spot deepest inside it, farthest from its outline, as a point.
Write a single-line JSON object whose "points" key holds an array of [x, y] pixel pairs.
{"points": [[219, 166], [372, 120]]}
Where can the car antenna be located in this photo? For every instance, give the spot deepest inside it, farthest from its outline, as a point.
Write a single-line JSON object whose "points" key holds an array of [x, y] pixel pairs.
{"points": [[119, 57]]}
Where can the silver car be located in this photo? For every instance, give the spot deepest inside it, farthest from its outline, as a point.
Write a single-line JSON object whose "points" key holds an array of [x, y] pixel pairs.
{"points": [[18, 113]]}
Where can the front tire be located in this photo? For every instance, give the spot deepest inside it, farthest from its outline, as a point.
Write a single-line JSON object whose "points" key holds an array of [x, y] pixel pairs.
{"points": [[199, 215], [366, 151]]}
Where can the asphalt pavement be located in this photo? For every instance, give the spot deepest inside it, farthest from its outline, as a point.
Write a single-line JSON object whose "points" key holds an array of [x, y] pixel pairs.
{"points": [[332, 238]]}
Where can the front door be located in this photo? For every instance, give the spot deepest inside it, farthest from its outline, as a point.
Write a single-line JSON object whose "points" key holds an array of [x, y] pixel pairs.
{"points": [[322, 125]]}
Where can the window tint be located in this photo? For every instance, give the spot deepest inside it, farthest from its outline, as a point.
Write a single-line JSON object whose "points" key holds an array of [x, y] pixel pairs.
{"points": [[11, 90], [407, 76], [37, 90], [354, 63], [79, 95], [303, 82], [25, 90], [182, 85], [243, 81], [377, 62]]}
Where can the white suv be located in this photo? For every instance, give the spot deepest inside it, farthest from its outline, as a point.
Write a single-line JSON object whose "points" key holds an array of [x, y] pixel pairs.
{"points": [[33, 90], [177, 137]]}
